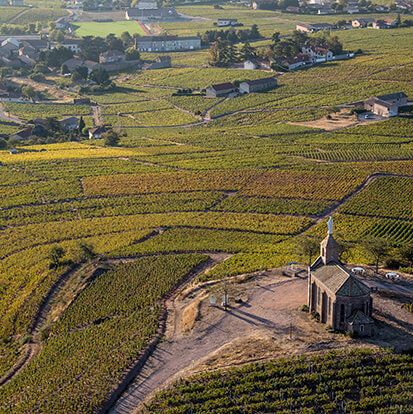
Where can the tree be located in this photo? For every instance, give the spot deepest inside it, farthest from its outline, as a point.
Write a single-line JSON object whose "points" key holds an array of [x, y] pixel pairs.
{"points": [[308, 247], [100, 76], [276, 37], [114, 43], [3, 143], [64, 70], [229, 54], [132, 54], [87, 251], [254, 32], [55, 256], [378, 248], [82, 124], [29, 92], [80, 73], [247, 52], [406, 253], [91, 47], [126, 38], [111, 138]]}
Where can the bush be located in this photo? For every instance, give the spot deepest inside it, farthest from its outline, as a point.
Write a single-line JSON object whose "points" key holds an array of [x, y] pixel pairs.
{"points": [[37, 76], [391, 263], [407, 270], [305, 308]]}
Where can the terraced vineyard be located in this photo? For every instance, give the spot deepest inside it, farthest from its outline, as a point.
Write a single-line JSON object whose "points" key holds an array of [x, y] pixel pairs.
{"points": [[250, 183]]}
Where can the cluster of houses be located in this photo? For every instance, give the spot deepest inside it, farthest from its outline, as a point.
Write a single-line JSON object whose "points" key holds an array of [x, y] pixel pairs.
{"points": [[149, 11], [229, 90], [362, 22], [327, 7], [386, 105], [310, 56], [24, 51]]}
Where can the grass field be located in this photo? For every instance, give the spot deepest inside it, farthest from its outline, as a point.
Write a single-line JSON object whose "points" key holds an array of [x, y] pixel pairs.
{"points": [[104, 28]]}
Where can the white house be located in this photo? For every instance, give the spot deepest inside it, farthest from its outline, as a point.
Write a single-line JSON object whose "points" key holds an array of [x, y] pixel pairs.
{"points": [[318, 54], [147, 5], [250, 65], [227, 22]]}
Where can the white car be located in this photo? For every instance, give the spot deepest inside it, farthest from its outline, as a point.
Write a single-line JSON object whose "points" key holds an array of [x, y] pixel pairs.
{"points": [[392, 276]]}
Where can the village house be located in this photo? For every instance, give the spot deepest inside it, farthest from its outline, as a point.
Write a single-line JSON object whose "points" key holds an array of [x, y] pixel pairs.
{"points": [[335, 295], [69, 124], [318, 54], [314, 27], [147, 4], [161, 62], [148, 15], [71, 44], [220, 90], [23, 134], [362, 22], [258, 85], [386, 105], [74, 63], [96, 133], [250, 65], [111, 56], [227, 22], [262, 4], [167, 43], [296, 62]]}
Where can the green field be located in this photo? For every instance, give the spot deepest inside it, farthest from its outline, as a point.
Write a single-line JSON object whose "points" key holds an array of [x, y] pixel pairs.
{"points": [[104, 28]]}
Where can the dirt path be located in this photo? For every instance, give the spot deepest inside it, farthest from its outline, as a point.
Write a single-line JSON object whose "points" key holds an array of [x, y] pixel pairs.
{"points": [[6, 116], [269, 308], [97, 115], [16, 16]]}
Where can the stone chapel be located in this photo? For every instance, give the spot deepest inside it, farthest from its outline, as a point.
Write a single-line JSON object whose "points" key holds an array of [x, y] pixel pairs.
{"points": [[340, 299]]}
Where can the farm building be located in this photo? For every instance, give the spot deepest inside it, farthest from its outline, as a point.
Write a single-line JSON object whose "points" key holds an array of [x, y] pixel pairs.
{"points": [[386, 105], [258, 85], [221, 89], [362, 22], [167, 43], [336, 295], [250, 65], [148, 15], [227, 22], [97, 132], [315, 27]]}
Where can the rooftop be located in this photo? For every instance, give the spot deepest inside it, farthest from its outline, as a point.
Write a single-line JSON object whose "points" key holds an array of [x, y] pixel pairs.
{"points": [[223, 86], [340, 281]]}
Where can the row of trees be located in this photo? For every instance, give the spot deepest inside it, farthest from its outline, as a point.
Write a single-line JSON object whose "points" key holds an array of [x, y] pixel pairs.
{"points": [[224, 53], [377, 248], [230, 35]]}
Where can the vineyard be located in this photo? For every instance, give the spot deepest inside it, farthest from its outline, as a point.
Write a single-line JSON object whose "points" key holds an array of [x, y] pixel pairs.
{"points": [[247, 185], [119, 327], [356, 381]]}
